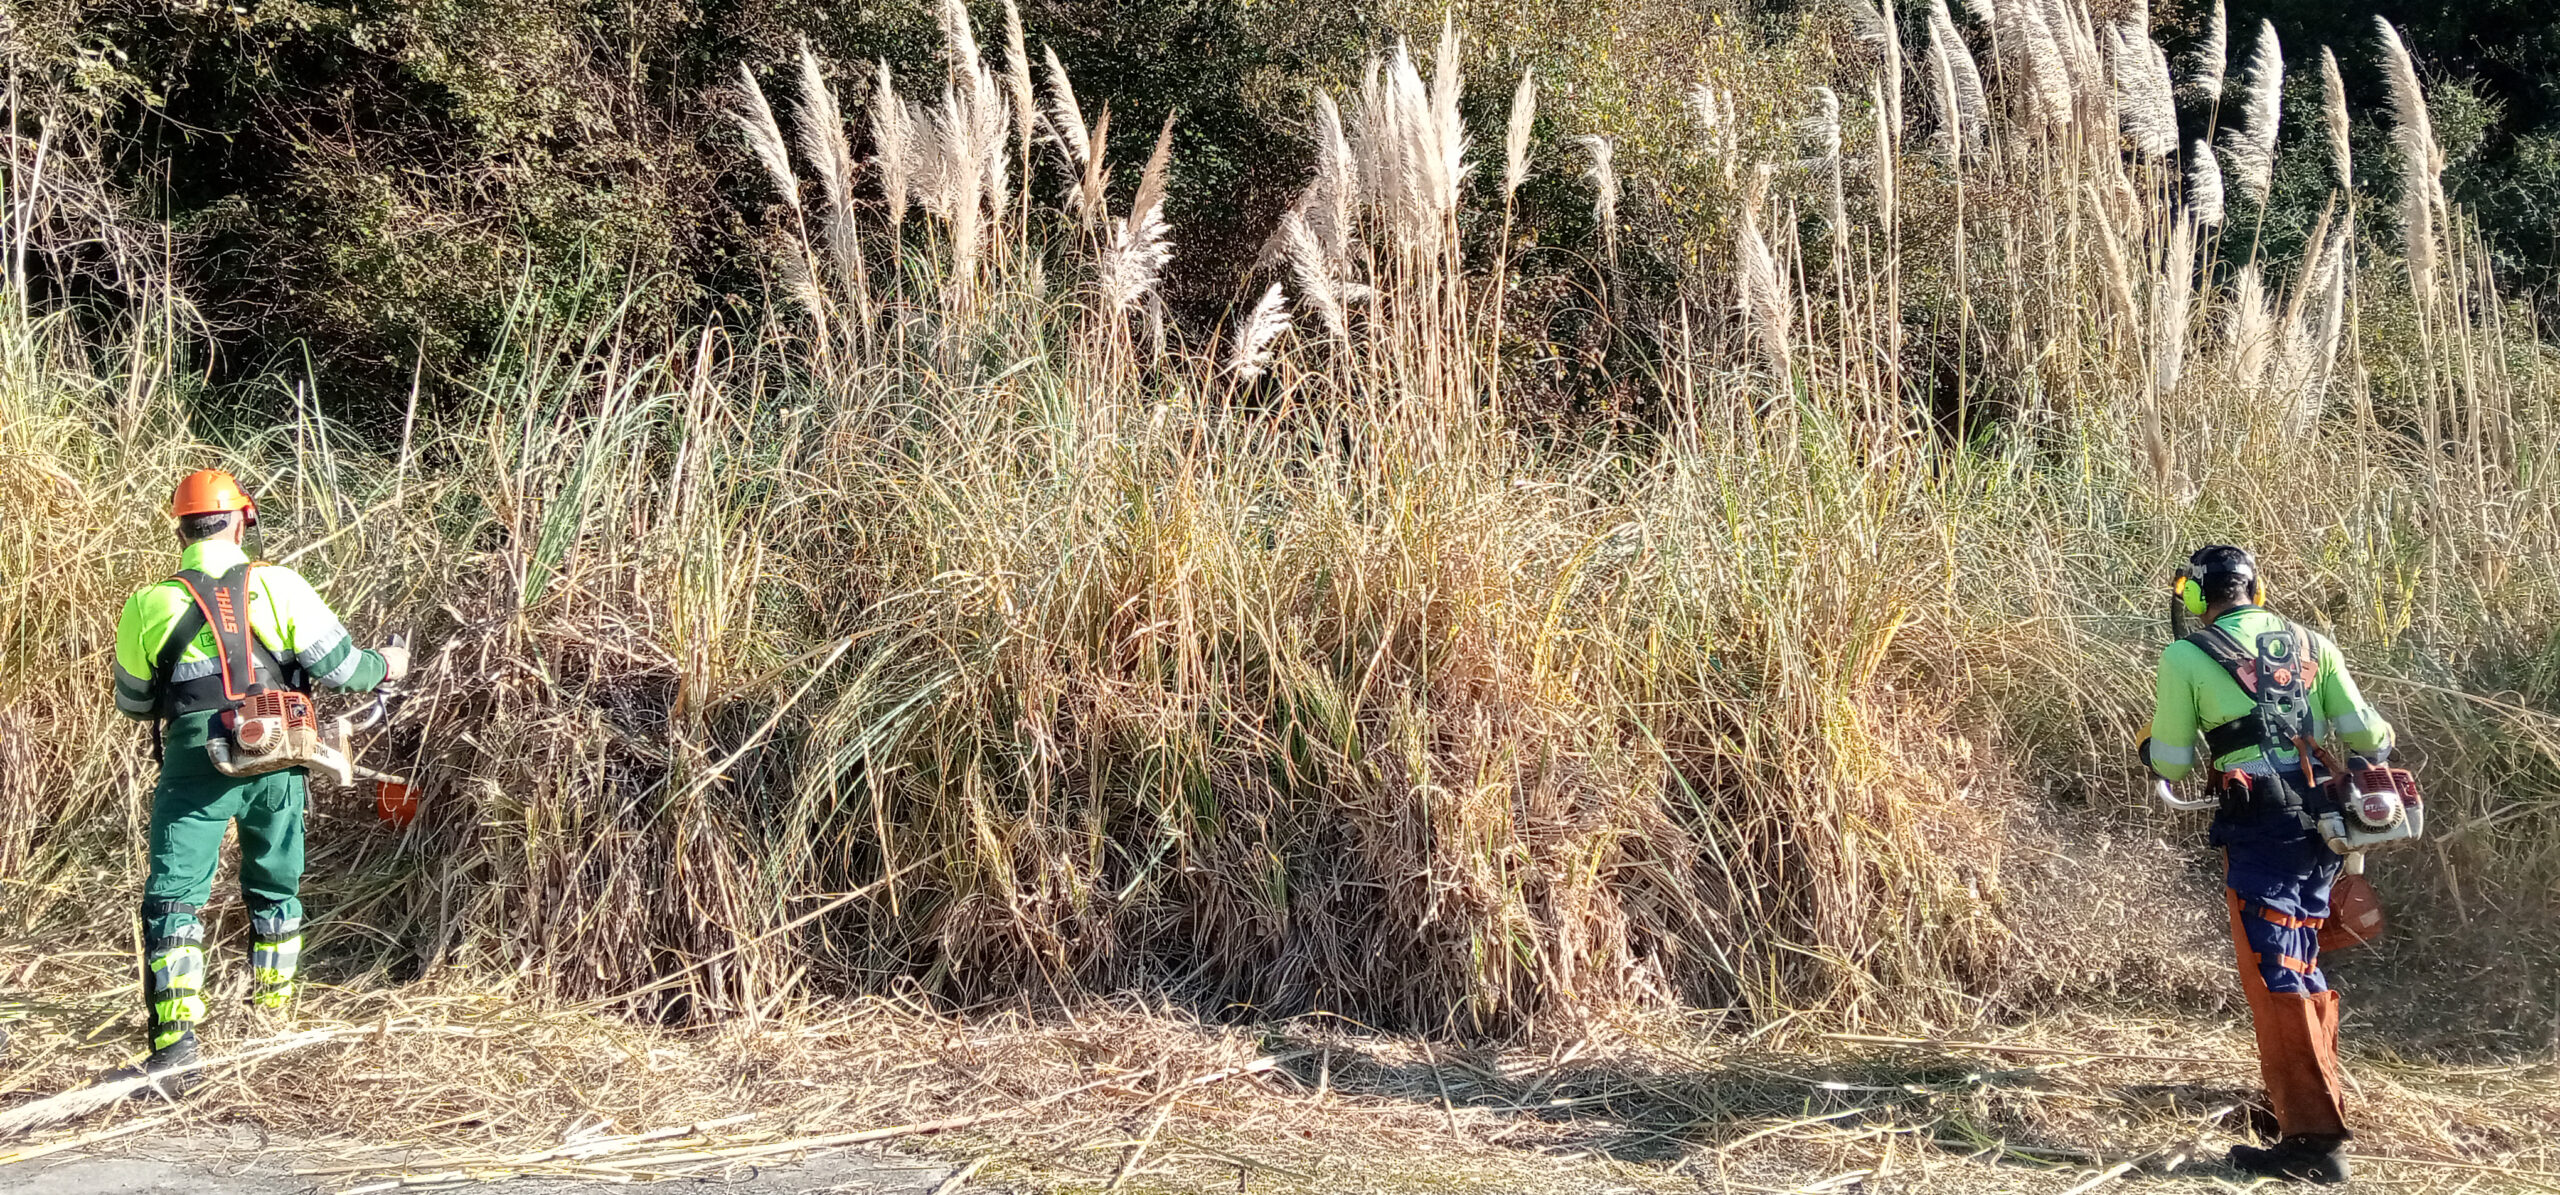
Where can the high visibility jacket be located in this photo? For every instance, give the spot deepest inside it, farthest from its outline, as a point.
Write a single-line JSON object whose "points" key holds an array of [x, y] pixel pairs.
{"points": [[285, 613], [2196, 694]]}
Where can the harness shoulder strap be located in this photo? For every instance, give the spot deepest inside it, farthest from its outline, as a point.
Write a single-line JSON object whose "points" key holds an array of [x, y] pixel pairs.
{"points": [[2239, 660], [243, 665], [222, 603], [2225, 649], [181, 633]]}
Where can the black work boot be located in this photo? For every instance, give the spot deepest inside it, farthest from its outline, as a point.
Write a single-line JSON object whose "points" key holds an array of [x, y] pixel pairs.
{"points": [[172, 1068], [2320, 1160]]}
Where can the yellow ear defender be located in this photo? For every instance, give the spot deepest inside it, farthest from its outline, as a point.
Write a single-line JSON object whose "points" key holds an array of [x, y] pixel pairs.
{"points": [[2189, 594]]}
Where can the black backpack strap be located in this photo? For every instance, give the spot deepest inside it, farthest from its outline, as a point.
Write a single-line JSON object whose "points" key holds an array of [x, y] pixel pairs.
{"points": [[242, 665], [2235, 657], [181, 633]]}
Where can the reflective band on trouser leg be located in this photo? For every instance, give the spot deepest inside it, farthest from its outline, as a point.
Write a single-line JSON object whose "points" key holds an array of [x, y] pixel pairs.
{"points": [[173, 970], [275, 952], [2295, 1014]]}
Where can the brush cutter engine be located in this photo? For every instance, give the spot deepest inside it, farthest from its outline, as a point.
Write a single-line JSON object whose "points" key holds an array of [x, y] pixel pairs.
{"points": [[2375, 807], [280, 729]]}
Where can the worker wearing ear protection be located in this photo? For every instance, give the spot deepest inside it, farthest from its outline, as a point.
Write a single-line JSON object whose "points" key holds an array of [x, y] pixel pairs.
{"points": [[2257, 693], [188, 649]]}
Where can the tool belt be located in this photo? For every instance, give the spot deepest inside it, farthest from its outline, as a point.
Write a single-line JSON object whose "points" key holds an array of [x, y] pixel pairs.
{"points": [[2246, 797]]}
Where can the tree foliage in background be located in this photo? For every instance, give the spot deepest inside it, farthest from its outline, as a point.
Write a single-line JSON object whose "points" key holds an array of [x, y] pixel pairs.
{"points": [[363, 186]]}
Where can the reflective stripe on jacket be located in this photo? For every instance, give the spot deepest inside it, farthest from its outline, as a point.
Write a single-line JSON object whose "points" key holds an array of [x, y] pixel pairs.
{"points": [[285, 613], [2195, 694]]}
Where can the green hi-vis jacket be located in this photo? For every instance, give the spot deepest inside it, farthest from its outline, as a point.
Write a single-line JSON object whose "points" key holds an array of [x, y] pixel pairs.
{"points": [[285, 613], [2195, 694]]}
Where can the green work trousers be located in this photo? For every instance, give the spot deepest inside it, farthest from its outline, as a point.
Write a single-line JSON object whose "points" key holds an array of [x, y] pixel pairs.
{"points": [[190, 809]]}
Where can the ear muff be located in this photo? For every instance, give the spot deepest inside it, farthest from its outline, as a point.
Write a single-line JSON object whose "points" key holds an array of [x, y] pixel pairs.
{"points": [[2189, 594], [2257, 592]]}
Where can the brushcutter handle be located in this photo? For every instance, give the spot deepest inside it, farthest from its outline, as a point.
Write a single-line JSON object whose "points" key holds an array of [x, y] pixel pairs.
{"points": [[387, 696], [2169, 797]]}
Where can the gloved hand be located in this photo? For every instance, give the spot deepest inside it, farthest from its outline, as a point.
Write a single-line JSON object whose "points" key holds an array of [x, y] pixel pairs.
{"points": [[395, 662]]}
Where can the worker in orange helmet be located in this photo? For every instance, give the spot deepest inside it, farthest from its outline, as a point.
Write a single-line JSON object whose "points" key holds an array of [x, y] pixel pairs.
{"points": [[190, 650]]}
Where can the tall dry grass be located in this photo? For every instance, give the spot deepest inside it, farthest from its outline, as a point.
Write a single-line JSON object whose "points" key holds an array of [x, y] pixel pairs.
{"points": [[965, 626]]}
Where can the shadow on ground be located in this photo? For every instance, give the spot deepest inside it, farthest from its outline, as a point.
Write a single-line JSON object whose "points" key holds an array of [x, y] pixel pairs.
{"points": [[1958, 1107]]}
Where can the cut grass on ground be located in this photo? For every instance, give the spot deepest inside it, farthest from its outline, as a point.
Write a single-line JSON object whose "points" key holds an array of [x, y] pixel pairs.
{"points": [[423, 1081]]}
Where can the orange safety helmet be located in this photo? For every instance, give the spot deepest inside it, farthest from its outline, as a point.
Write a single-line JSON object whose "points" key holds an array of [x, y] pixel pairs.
{"points": [[210, 491]]}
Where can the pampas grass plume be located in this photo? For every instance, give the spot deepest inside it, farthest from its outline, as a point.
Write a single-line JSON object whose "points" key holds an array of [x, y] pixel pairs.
{"points": [[892, 137], [764, 135], [2204, 78], [1270, 318], [1515, 135], [2253, 144], [2333, 106], [2204, 184]]}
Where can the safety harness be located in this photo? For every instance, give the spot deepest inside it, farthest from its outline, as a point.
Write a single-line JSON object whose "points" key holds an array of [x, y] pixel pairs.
{"points": [[2277, 675], [243, 666]]}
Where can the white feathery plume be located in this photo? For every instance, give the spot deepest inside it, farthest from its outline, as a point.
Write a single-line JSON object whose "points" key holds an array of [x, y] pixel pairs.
{"points": [[1270, 318], [1078, 144], [1313, 266], [821, 127], [928, 166], [891, 134], [1017, 74], [764, 135], [822, 141], [1336, 191], [2306, 329], [2171, 298], [1066, 116], [961, 42], [1416, 145], [2160, 89], [1877, 26], [2204, 184], [2148, 119], [1604, 182], [1703, 106], [2204, 78], [2253, 144], [1139, 246], [1450, 135], [1971, 111], [1983, 12], [1720, 118], [2421, 162], [1761, 293], [2326, 323], [2077, 40], [2251, 332], [1949, 109], [2333, 106], [1135, 256], [1406, 151], [2038, 53], [1515, 136], [801, 280]]}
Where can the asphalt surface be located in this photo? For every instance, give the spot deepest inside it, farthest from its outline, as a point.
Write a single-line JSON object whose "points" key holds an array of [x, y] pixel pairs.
{"points": [[220, 1166]]}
